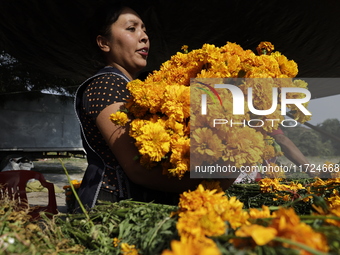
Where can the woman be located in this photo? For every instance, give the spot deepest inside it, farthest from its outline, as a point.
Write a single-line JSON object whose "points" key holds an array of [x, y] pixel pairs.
{"points": [[112, 174]]}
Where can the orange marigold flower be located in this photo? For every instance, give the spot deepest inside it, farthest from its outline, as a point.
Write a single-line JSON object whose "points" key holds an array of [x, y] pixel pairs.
{"points": [[288, 225], [255, 213], [192, 248], [207, 144], [115, 242], [269, 152], [193, 200], [244, 146], [180, 157], [199, 224], [261, 235], [119, 118], [154, 141], [265, 48], [176, 102], [202, 213], [76, 184], [127, 249], [185, 48]]}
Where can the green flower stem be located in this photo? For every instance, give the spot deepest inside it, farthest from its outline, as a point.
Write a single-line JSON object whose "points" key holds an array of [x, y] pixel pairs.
{"points": [[247, 186], [76, 194], [318, 217], [300, 245], [307, 217], [156, 230], [295, 201]]}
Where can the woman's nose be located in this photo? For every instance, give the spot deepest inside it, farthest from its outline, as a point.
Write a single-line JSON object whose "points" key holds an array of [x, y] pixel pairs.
{"points": [[144, 37]]}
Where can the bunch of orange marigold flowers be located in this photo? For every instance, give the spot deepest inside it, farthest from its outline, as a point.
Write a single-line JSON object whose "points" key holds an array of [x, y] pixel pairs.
{"points": [[160, 107]]}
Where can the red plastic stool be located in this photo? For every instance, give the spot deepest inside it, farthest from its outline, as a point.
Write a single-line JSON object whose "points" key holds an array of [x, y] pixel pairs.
{"points": [[13, 184]]}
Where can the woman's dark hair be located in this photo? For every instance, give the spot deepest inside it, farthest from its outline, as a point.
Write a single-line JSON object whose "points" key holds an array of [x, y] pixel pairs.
{"points": [[100, 23], [104, 17]]}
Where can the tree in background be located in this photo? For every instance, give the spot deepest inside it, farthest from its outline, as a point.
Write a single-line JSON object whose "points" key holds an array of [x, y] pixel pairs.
{"points": [[312, 143], [18, 77], [331, 126]]}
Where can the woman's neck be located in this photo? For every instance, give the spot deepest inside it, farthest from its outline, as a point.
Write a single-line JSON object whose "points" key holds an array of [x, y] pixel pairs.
{"points": [[123, 70]]}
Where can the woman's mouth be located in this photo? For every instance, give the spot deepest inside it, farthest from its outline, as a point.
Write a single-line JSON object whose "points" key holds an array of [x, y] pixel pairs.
{"points": [[143, 51]]}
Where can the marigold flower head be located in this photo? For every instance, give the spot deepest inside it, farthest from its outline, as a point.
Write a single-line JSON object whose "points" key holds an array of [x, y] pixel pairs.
{"points": [[180, 157], [203, 213], [265, 48], [260, 235], [119, 118], [244, 146], [334, 199], [76, 184], [127, 249], [192, 248], [176, 102], [207, 144], [135, 109], [185, 48], [288, 225], [154, 141], [334, 211], [269, 152], [288, 68], [199, 224], [270, 185], [233, 213], [193, 200], [319, 186], [115, 242], [255, 213]]}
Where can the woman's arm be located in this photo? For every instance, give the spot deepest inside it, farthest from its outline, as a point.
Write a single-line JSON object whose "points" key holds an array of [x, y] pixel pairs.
{"points": [[291, 151], [122, 146]]}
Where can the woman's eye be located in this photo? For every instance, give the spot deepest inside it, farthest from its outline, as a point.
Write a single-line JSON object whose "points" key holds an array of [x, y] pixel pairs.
{"points": [[132, 29]]}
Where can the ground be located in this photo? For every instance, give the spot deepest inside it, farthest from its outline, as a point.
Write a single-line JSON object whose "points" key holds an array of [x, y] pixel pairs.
{"points": [[53, 172]]}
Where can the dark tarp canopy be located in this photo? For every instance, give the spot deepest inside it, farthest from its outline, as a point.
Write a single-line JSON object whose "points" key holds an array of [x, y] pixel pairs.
{"points": [[50, 36]]}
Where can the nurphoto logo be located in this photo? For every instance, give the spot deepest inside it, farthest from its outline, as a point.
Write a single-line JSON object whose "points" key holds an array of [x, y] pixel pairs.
{"points": [[231, 121], [238, 101]]}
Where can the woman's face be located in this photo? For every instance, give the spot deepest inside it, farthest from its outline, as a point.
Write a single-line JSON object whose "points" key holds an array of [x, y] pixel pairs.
{"points": [[128, 45]]}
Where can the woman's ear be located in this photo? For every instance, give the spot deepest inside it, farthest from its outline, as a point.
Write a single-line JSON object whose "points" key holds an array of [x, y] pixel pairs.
{"points": [[103, 43]]}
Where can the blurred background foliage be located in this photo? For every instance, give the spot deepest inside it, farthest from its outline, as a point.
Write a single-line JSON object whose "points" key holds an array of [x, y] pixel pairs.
{"points": [[314, 143]]}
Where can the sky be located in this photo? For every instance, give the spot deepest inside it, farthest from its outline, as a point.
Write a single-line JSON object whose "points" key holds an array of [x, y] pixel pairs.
{"points": [[324, 108]]}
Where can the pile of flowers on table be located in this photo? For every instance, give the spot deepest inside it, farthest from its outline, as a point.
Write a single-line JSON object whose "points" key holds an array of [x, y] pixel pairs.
{"points": [[277, 216], [274, 216]]}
